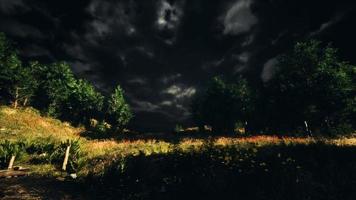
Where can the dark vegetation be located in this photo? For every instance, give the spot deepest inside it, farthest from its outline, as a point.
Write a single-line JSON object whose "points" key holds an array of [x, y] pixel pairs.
{"points": [[55, 91], [41, 152], [315, 171], [311, 92]]}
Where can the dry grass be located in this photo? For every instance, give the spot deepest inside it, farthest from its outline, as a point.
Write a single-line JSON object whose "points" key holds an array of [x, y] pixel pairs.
{"points": [[28, 124]]}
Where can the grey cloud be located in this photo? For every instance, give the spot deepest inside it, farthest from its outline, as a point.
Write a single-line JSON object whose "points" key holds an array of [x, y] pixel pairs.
{"points": [[180, 92], [12, 6], [80, 67], [36, 51], [137, 81], [169, 17], [337, 18], [239, 18], [268, 69], [171, 78], [109, 16], [18, 29], [242, 60]]}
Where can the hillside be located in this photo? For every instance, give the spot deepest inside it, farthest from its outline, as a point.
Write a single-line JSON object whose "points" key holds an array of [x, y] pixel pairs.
{"points": [[112, 163]]}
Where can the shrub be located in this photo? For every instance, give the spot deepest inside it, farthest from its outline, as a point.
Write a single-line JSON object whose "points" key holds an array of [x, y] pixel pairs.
{"points": [[223, 105], [118, 111], [83, 103], [8, 149]]}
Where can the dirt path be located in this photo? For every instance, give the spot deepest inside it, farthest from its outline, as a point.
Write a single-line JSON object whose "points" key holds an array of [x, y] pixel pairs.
{"points": [[31, 188]]}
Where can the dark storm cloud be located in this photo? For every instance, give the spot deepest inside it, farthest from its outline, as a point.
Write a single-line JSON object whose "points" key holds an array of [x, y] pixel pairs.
{"points": [[21, 30], [8, 7], [163, 52]]}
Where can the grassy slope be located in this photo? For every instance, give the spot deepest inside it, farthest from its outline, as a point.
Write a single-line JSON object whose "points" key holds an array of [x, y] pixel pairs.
{"points": [[28, 125]]}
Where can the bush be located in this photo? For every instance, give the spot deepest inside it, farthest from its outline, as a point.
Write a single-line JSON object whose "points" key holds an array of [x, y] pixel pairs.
{"points": [[223, 105], [75, 155], [83, 103], [8, 149], [118, 111]]}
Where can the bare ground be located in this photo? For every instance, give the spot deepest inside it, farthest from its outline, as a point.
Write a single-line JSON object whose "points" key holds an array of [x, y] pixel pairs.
{"points": [[32, 188]]}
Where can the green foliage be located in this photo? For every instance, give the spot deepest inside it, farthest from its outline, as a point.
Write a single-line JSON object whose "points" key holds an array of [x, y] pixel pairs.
{"points": [[54, 89], [84, 103], [313, 85], [17, 84], [118, 111], [223, 105], [8, 149], [56, 83], [75, 154]]}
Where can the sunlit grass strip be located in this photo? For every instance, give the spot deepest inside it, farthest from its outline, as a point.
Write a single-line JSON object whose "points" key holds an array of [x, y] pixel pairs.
{"points": [[18, 124]]}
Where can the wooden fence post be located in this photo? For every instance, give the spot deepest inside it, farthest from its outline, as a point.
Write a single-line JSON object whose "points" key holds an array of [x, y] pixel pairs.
{"points": [[11, 163], [66, 156]]}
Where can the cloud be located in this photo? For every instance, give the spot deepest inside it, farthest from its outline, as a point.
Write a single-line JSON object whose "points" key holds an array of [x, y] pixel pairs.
{"points": [[145, 106], [21, 30], [268, 69], [166, 103], [110, 18], [171, 78], [239, 18], [179, 92], [324, 26], [12, 6], [169, 15], [168, 19], [36, 51], [137, 81]]}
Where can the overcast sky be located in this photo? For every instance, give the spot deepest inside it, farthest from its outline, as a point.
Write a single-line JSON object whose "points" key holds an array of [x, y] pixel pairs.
{"points": [[163, 51]]}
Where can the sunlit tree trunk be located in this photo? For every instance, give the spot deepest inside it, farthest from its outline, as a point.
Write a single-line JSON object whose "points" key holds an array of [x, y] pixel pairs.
{"points": [[25, 102], [16, 97]]}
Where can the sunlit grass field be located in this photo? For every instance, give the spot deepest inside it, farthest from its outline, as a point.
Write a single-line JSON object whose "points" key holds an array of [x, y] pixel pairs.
{"points": [[181, 165], [27, 125]]}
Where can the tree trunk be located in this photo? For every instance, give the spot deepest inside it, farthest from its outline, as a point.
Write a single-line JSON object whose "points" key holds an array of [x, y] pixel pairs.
{"points": [[307, 128], [16, 97], [25, 102]]}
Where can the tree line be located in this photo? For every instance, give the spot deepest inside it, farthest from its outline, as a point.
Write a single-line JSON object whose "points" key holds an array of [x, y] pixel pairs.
{"points": [[57, 92], [312, 91]]}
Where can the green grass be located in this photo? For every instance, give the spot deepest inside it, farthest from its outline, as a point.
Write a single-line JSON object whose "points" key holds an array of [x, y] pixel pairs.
{"points": [[42, 137]]}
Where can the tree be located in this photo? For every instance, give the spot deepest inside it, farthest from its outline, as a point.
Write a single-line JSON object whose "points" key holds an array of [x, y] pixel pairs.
{"points": [[223, 105], [56, 83], [118, 111], [17, 83], [312, 88], [83, 103]]}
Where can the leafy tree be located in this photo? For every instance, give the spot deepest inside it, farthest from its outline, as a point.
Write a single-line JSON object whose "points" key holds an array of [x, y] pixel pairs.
{"points": [[56, 83], [223, 105], [17, 83], [118, 111], [311, 87], [83, 103]]}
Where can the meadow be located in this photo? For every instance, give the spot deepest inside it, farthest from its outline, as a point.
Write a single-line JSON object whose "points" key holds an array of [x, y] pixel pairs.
{"points": [[180, 165]]}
